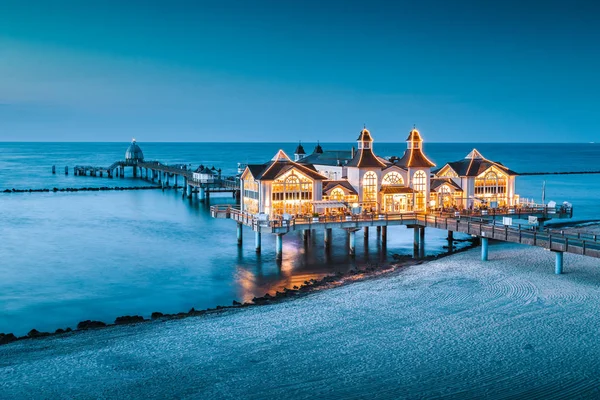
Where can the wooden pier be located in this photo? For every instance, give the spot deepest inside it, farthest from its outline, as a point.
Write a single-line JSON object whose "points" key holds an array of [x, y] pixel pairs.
{"points": [[167, 176], [483, 226]]}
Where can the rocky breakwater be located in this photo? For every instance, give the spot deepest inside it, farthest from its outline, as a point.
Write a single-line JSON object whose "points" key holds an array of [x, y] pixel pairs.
{"points": [[83, 189]]}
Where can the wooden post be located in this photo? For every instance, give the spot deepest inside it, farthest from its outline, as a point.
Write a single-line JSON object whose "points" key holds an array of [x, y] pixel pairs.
{"points": [[352, 245], [239, 234], [257, 241], [279, 246], [484, 249]]}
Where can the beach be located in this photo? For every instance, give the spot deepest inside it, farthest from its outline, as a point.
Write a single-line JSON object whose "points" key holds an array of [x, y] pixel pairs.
{"points": [[454, 327]]}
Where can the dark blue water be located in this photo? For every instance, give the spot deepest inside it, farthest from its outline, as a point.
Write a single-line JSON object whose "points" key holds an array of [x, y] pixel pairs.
{"points": [[98, 255]]}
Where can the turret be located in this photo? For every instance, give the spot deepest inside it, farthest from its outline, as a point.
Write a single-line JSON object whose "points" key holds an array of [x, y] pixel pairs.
{"points": [[299, 154]]}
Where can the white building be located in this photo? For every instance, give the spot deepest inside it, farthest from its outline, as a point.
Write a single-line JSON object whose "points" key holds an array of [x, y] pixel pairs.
{"points": [[204, 174], [474, 182], [333, 182]]}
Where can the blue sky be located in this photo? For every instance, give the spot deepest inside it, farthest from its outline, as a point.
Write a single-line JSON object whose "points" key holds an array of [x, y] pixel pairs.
{"points": [[313, 70]]}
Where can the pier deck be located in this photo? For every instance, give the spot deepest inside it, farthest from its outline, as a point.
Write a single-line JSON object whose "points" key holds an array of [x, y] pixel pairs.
{"points": [[475, 224]]}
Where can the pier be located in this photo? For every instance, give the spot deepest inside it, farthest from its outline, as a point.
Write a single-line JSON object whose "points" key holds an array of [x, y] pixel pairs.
{"points": [[201, 182], [484, 227]]}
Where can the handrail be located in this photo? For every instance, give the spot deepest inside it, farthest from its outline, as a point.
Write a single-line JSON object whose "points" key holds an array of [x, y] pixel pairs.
{"points": [[480, 227]]}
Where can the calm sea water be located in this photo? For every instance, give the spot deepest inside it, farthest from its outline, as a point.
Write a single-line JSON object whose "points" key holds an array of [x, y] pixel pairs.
{"points": [[98, 255]]}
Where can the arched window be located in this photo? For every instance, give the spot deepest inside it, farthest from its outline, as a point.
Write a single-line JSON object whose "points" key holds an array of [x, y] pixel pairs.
{"points": [[490, 184], [370, 188], [392, 178], [292, 194], [419, 181], [445, 196], [337, 194], [419, 186]]}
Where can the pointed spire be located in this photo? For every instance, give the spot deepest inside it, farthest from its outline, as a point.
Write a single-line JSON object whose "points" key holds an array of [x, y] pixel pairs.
{"points": [[318, 148]]}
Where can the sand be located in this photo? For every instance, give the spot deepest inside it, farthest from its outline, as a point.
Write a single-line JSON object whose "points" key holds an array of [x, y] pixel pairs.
{"points": [[456, 327]]}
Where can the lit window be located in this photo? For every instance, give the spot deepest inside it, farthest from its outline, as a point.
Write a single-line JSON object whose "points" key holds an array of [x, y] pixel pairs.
{"points": [[392, 178], [419, 186], [370, 188]]}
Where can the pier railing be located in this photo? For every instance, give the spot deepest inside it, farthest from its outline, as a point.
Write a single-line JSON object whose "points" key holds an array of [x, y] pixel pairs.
{"points": [[556, 240]]}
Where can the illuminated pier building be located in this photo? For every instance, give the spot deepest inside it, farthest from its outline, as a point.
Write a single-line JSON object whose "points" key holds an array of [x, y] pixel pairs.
{"points": [[357, 180]]}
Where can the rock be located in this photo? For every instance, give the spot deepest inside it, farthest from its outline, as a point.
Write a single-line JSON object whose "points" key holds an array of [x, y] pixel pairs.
{"points": [[7, 338], [156, 315], [90, 324], [237, 303], [128, 319], [192, 310], [34, 333], [68, 330], [59, 331]]}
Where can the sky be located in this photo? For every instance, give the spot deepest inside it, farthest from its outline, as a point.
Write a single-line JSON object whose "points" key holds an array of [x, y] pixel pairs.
{"points": [[183, 71]]}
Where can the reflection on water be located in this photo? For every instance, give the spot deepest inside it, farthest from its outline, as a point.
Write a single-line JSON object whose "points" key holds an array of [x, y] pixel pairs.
{"points": [[99, 255]]}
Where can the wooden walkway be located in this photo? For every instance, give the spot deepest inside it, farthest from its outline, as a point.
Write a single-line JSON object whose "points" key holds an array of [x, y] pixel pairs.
{"points": [[484, 226], [162, 172]]}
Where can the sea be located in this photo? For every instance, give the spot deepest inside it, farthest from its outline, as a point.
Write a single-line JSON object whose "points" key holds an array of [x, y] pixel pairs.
{"points": [[72, 256]]}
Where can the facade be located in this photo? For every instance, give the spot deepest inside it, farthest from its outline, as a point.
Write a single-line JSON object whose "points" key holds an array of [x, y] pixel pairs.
{"points": [[475, 182], [339, 182]]}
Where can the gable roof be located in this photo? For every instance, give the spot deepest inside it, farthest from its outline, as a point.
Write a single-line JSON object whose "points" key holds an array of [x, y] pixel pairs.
{"points": [[475, 164], [437, 182], [280, 164], [328, 186]]}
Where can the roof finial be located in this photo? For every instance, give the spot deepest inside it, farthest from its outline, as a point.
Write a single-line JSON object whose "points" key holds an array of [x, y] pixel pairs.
{"points": [[414, 126]]}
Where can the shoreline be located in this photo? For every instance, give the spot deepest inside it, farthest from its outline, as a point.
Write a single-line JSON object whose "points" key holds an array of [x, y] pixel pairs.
{"points": [[312, 286]]}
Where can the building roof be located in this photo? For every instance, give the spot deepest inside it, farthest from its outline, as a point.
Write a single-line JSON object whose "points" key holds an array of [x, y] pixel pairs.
{"points": [[134, 152], [328, 157], [437, 182], [364, 157], [475, 164], [414, 136], [392, 163], [280, 164], [413, 156], [328, 186], [365, 136], [318, 149], [300, 149], [387, 189], [205, 170]]}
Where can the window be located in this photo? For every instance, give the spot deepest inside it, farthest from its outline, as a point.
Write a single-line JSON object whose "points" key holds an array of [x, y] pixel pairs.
{"points": [[492, 184], [392, 178], [337, 194], [292, 194], [445, 196], [370, 188], [419, 186], [251, 196]]}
